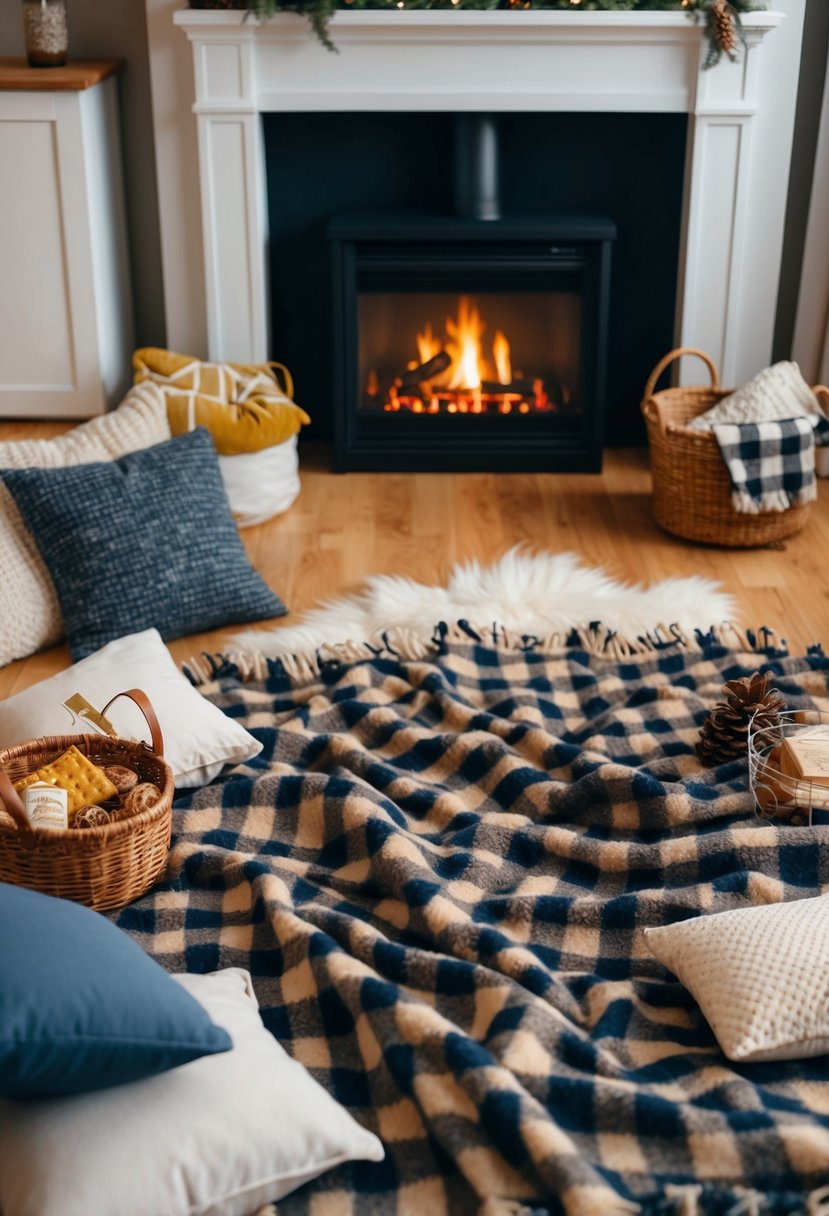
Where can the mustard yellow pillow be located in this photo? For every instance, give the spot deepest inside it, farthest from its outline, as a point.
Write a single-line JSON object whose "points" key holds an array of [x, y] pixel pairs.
{"points": [[244, 406]]}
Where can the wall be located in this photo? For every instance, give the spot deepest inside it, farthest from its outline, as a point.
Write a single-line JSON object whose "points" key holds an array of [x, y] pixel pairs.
{"points": [[117, 29], [810, 346], [800, 263]]}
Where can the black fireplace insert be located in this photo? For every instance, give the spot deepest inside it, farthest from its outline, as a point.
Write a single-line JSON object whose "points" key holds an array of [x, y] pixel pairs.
{"points": [[470, 344]]}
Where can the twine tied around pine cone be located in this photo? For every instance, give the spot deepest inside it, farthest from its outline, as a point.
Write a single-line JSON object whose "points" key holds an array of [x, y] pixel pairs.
{"points": [[724, 734]]}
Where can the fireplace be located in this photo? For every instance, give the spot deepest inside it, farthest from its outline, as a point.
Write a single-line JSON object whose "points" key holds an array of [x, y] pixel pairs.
{"points": [[470, 344]]}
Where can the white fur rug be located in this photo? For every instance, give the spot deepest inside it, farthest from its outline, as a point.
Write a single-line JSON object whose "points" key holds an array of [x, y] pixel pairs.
{"points": [[532, 593]]}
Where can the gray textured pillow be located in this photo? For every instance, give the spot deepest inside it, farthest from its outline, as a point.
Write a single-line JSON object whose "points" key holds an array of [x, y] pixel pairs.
{"points": [[144, 541], [29, 609]]}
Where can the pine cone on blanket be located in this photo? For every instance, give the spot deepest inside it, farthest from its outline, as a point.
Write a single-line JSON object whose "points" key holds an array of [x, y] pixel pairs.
{"points": [[724, 734], [723, 29]]}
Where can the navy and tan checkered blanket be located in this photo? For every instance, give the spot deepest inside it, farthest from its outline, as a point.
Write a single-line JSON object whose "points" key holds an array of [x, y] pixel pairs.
{"points": [[438, 872], [771, 464]]}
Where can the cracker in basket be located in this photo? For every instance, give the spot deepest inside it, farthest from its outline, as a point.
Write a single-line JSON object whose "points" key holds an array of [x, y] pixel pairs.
{"points": [[85, 783]]}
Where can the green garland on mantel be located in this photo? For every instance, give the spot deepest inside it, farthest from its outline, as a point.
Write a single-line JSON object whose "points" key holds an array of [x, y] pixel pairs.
{"points": [[722, 17]]}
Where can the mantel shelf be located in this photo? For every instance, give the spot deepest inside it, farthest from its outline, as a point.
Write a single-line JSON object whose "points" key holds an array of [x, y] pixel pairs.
{"points": [[464, 20]]}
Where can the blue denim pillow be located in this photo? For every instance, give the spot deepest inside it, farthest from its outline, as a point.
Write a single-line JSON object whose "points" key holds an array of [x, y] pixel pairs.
{"points": [[83, 1007], [144, 541]]}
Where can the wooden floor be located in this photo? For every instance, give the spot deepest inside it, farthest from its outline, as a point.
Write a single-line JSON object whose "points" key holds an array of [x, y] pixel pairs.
{"points": [[344, 527]]}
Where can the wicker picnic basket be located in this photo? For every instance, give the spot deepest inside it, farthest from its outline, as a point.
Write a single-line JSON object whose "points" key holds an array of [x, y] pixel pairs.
{"points": [[103, 867], [691, 486]]}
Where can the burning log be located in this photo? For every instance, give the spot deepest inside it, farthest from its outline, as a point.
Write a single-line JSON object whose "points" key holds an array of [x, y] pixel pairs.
{"points": [[523, 387], [424, 371]]}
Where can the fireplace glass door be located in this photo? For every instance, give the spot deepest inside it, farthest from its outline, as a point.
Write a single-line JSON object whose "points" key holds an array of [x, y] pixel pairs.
{"points": [[494, 355], [469, 353]]}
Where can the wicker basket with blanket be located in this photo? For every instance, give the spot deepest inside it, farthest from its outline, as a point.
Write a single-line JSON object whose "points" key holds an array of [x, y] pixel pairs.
{"points": [[692, 490]]}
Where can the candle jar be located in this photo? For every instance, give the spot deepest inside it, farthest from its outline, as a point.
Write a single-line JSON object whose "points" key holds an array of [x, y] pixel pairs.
{"points": [[46, 32]]}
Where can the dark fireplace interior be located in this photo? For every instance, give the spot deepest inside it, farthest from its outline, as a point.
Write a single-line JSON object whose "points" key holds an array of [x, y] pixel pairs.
{"points": [[526, 318]]}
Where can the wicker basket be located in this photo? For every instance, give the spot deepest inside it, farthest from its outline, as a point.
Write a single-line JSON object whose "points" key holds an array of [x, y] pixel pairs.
{"points": [[104, 867], [691, 486]]}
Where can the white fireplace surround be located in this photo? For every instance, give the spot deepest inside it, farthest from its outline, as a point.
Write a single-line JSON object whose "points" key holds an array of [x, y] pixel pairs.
{"points": [[739, 137]]}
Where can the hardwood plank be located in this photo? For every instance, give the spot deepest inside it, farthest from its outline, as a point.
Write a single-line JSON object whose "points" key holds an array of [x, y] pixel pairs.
{"points": [[345, 527]]}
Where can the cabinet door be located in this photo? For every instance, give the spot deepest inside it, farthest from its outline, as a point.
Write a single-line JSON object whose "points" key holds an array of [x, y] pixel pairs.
{"points": [[48, 344]]}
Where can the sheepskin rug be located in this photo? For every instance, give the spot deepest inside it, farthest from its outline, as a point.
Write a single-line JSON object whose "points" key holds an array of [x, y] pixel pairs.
{"points": [[532, 593]]}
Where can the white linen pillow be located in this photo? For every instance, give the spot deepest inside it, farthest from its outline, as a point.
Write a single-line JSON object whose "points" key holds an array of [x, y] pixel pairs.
{"points": [[261, 484], [29, 611], [199, 740], [760, 976], [220, 1136]]}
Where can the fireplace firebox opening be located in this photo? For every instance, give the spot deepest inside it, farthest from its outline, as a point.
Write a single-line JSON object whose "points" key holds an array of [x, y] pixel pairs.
{"points": [[470, 344]]}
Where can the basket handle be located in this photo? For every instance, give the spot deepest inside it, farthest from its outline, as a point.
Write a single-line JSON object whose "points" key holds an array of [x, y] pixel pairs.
{"points": [[820, 390], [143, 702], [289, 380], [670, 358], [12, 802]]}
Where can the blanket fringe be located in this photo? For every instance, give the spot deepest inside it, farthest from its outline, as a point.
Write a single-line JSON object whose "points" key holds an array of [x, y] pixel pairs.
{"points": [[818, 1202], [407, 644], [686, 1198]]}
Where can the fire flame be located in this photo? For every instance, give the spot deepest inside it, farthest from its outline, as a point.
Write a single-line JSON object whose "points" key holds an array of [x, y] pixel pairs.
{"points": [[501, 355], [427, 344], [464, 345], [455, 374]]}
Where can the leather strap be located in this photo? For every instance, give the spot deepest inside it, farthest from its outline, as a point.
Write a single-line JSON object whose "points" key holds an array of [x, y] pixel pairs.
{"points": [[143, 702], [12, 802]]}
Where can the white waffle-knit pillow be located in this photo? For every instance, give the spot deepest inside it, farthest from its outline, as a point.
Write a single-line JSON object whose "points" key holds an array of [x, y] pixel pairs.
{"points": [[760, 976], [29, 612]]}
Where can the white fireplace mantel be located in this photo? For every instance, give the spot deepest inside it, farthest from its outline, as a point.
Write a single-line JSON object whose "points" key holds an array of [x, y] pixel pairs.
{"points": [[535, 61]]}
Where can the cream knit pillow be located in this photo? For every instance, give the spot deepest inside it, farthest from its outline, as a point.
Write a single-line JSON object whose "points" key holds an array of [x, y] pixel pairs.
{"points": [[759, 975], [29, 612], [777, 392]]}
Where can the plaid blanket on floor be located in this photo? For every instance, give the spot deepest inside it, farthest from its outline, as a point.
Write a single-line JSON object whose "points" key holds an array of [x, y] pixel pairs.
{"points": [[771, 464], [438, 872]]}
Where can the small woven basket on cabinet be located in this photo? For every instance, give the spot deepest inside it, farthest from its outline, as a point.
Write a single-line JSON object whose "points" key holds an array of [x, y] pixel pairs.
{"points": [[691, 485], [103, 867]]}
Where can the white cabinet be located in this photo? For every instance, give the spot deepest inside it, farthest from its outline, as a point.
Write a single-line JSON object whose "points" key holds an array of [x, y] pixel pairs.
{"points": [[65, 299]]}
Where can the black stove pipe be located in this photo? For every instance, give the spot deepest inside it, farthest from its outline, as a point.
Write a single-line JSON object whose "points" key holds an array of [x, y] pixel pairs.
{"points": [[476, 167]]}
